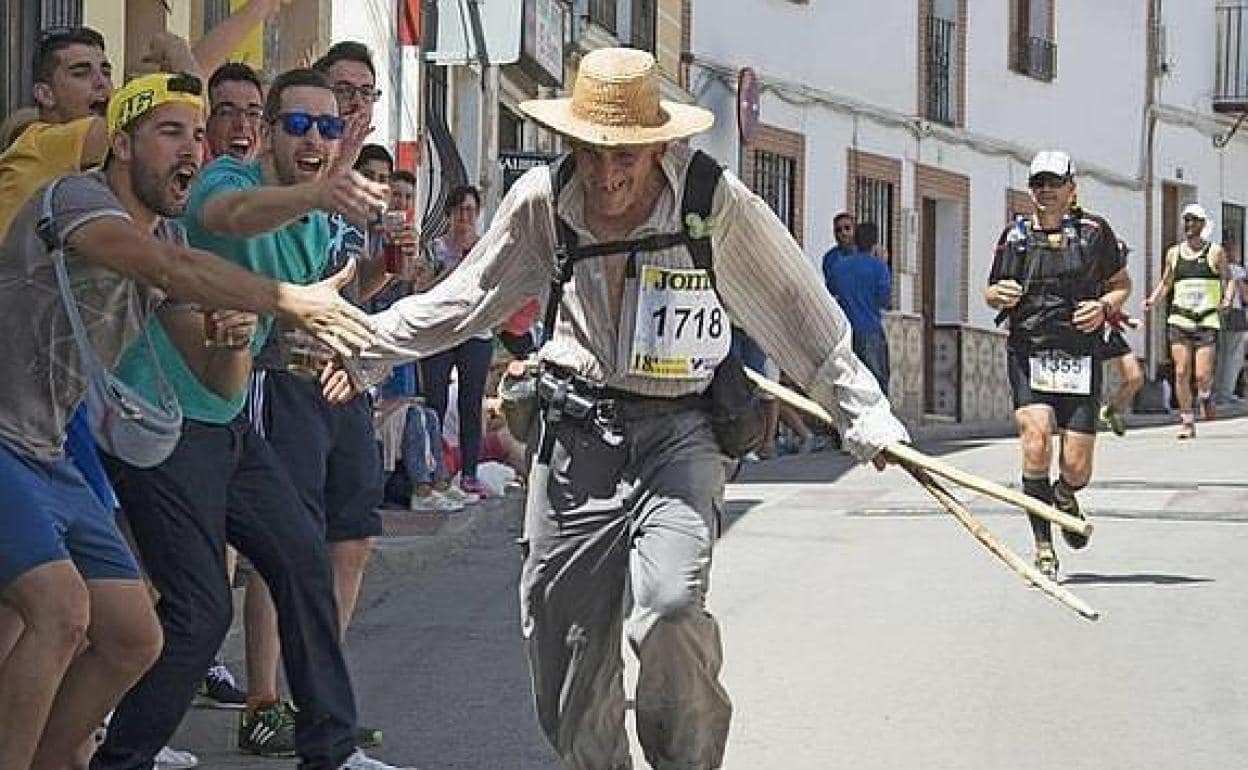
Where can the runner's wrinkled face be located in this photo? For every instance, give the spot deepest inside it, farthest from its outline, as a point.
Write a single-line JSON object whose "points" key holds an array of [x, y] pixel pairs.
{"points": [[164, 152], [619, 182], [234, 124], [80, 85], [1051, 192]]}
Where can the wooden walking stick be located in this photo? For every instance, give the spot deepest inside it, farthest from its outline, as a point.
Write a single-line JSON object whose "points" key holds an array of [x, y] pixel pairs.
{"points": [[910, 457], [1011, 559]]}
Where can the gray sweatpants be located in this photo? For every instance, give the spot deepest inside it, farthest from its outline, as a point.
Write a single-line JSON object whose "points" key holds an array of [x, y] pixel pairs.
{"points": [[603, 520]]}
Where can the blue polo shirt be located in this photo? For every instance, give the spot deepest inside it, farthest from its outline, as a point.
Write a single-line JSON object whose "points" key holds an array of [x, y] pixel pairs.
{"points": [[296, 253], [861, 284]]}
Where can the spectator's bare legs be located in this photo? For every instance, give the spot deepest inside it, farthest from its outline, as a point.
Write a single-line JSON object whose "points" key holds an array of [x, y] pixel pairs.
{"points": [[10, 630], [790, 417], [349, 557], [124, 640], [51, 601], [260, 616], [260, 637]]}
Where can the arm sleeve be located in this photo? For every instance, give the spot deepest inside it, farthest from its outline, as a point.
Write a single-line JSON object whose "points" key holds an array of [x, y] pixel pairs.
{"points": [[79, 199], [884, 287], [773, 291]]}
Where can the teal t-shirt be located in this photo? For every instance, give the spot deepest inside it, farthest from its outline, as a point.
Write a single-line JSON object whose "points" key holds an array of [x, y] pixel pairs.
{"points": [[296, 253]]}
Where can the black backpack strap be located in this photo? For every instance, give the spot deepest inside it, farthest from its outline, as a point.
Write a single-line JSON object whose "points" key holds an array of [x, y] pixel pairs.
{"points": [[700, 182], [565, 245]]}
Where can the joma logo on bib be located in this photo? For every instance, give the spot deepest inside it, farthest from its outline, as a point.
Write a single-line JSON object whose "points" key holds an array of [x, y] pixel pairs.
{"points": [[678, 280]]}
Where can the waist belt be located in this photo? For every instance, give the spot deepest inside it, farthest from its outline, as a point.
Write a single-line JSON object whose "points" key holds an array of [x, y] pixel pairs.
{"points": [[623, 403]]}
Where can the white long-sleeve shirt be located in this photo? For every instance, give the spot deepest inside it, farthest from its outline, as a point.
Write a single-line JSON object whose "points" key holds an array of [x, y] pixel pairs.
{"points": [[764, 280]]}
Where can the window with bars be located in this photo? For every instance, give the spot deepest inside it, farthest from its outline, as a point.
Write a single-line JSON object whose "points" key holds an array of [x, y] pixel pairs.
{"points": [[1032, 50], [1233, 229], [643, 24], [874, 201], [602, 13], [940, 48], [61, 13], [774, 179]]}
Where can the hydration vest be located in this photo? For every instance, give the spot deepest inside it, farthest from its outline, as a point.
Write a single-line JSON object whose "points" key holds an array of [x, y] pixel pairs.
{"points": [[1057, 271]]}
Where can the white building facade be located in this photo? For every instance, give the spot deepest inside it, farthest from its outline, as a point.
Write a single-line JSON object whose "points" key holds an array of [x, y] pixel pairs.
{"points": [[921, 115]]}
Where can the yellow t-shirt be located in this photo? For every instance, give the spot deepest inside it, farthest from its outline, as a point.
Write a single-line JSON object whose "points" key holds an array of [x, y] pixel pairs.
{"points": [[43, 152]]}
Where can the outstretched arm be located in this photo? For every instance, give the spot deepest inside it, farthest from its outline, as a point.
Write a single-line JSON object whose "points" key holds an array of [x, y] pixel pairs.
{"points": [[214, 48]]}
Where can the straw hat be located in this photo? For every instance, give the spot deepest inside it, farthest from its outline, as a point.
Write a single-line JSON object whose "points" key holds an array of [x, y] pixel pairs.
{"points": [[615, 102]]}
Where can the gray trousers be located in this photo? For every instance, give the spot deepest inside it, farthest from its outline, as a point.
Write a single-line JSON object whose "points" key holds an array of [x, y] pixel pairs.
{"points": [[602, 522]]}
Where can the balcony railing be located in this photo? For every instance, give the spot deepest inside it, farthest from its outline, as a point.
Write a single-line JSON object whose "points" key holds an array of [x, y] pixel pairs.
{"points": [[1231, 89], [1036, 57], [941, 103], [602, 13]]}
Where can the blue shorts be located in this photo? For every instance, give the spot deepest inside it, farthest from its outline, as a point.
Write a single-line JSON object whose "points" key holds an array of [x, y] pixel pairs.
{"points": [[50, 513]]}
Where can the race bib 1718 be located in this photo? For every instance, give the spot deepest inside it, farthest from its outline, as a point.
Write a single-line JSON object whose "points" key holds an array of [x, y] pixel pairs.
{"points": [[681, 331]]}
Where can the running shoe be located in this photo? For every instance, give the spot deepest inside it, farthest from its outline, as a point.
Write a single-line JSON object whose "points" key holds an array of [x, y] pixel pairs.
{"points": [[367, 737], [267, 731], [1064, 501], [173, 759], [470, 486], [1046, 562], [218, 690], [459, 494], [361, 761], [1111, 419], [1187, 430], [435, 502]]}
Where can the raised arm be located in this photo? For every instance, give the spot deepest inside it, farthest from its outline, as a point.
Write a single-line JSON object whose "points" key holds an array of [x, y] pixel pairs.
{"points": [[204, 279], [250, 212], [214, 48]]}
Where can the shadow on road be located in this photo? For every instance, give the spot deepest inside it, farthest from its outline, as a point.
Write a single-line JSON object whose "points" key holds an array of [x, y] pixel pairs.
{"points": [[1142, 578]]}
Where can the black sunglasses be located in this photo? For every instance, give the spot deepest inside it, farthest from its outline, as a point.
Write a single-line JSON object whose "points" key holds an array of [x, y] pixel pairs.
{"points": [[1049, 181], [298, 123]]}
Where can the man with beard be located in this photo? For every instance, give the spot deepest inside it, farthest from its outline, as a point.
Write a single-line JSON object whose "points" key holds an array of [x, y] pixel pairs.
{"points": [[330, 451], [235, 111], [64, 567], [223, 483]]}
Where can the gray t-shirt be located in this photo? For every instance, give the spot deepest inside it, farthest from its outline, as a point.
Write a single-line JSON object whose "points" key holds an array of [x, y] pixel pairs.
{"points": [[44, 381]]}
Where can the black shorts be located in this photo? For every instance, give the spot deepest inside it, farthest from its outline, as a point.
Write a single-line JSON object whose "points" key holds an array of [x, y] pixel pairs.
{"points": [[1200, 337], [1113, 345], [330, 452], [1076, 413]]}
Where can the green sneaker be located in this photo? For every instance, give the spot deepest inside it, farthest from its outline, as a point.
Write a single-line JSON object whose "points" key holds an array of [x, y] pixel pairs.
{"points": [[367, 737], [1064, 501], [1112, 419], [268, 731]]}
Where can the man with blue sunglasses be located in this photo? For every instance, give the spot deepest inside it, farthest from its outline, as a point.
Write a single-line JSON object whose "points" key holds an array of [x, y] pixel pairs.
{"points": [[223, 482]]}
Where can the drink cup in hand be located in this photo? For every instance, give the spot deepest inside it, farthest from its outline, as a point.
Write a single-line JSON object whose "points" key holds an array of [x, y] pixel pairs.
{"points": [[393, 226]]}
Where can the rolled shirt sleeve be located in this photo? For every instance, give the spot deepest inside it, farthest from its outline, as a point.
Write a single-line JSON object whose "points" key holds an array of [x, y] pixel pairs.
{"points": [[513, 262], [776, 295]]}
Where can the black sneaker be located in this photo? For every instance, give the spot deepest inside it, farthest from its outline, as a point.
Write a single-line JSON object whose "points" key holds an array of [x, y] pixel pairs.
{"points": [[267, 731], [367, 737], [1064, 501], [219, 691]]}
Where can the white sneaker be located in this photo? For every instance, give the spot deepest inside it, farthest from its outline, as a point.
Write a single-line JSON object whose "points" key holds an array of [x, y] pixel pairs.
{"points": [[435, 502], [457, 494], [361, 761], [172, 759]]}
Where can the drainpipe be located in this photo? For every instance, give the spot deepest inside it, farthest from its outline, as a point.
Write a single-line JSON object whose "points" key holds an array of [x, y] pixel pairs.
{"points": [[1148, 156]]}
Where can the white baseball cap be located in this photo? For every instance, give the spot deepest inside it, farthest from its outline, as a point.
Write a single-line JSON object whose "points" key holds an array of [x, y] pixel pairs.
{"points": [[1195, 210], [1051, 162]]}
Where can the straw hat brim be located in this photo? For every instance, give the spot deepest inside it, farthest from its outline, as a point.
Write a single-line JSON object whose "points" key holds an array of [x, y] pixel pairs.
{"points": [[683, 120]]}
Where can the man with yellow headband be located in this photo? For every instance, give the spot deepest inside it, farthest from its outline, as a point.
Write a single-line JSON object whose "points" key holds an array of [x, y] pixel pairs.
{"points": [[64, 567]]}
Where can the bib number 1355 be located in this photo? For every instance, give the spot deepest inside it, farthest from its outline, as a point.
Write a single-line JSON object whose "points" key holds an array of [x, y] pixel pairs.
{"points": [[1053, 371]]}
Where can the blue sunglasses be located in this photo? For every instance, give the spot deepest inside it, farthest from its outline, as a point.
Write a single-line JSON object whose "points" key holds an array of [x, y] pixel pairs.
{"points": [[298, 123]]}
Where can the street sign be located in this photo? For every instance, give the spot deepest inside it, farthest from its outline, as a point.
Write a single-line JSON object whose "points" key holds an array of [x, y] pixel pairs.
{"points": [[515, 163]]}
